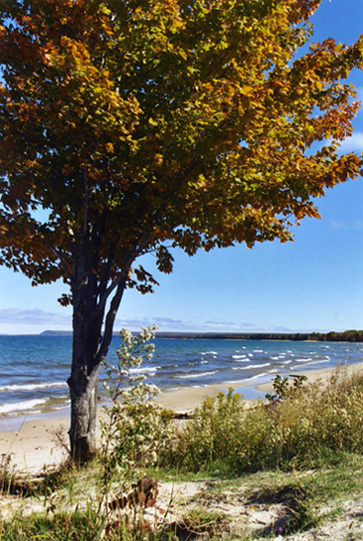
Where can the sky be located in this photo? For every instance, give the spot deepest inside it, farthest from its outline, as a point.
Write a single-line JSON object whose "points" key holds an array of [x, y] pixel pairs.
{"points": [[312, 284]]}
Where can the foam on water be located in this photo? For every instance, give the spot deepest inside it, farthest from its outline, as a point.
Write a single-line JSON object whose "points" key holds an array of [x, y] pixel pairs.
{"points": [[312, 363], [248, 367], [151, 370], [192, 376], [22, 406], [34, 369], [32, 386], [257, 376]]}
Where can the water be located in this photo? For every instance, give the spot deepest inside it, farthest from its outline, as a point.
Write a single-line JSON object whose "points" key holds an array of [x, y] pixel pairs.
{"points": [[34, 369]]}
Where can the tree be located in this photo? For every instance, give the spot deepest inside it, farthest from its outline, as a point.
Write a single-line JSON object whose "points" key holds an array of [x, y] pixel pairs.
{"points": [[133, 126]]}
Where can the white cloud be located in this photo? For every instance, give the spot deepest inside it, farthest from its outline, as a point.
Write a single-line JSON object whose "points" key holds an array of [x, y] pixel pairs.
{"points": [[163, 323], [353, 143], [17, 316], [338, 225], [177, 325]]}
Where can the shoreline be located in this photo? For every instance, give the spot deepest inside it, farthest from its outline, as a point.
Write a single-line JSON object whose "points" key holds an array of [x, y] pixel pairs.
{"points": [[34, 445]]}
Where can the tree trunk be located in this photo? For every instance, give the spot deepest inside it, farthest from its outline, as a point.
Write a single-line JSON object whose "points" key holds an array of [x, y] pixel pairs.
{"points": [[83, 392], [87, 324], [88, 350]]}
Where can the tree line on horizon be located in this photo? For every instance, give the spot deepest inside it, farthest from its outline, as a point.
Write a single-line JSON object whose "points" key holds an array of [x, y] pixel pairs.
{"points": [[331, 336]]}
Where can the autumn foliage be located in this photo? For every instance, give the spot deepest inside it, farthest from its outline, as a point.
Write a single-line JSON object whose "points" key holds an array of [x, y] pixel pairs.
{"points": [[132, 126]]}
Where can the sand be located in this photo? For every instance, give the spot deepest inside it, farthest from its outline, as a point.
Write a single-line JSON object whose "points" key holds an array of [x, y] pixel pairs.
{"points": [[35, 445]]}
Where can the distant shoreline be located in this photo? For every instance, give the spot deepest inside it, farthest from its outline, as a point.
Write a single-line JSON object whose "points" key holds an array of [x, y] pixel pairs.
{"points": [[332, 336]]}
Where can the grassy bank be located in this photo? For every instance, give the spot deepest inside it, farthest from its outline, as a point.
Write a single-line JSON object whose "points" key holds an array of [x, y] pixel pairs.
{"points": [[288, 465]]}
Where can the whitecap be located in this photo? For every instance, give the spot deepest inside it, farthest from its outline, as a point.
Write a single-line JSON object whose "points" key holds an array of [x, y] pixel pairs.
{"points": [[22, 406], [309, 364], [239, 357], [251, 366], [32, 386], [151, 370], [209, 353], [257, 376], [192, 376]]}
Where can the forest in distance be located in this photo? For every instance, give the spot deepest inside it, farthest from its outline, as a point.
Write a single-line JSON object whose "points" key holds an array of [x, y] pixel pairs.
{"points": [[332, 336]]}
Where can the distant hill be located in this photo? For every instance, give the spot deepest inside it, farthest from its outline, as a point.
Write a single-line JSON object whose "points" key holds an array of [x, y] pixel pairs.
{"points": [[345, 336], [56, 333]]}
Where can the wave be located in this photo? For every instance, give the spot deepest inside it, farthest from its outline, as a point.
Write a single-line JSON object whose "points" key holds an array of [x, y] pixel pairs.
{"points": [[246, 380], [32, 386], [209, 353], [151, 370], [257, 376], [312, 363], [240, 357], [251, 366], [192, 376], [22, 406]]}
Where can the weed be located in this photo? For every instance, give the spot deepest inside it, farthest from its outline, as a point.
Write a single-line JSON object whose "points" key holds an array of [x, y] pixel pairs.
{"points": [[303, 426], [10, 480]]}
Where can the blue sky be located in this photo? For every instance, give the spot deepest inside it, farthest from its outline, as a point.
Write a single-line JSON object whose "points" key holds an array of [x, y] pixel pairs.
{"points": [[314, 283]]}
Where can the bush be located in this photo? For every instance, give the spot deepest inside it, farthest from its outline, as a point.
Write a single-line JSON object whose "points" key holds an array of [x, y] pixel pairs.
{"points": [[302, 426], [208, 436], [135, 428]]}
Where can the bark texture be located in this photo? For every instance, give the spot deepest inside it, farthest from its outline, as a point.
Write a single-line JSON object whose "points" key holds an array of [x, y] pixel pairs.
{"points": [[90, 341], [83, 392]]}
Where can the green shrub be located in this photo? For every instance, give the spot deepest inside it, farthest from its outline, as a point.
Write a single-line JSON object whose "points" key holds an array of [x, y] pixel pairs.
{"points": [[135, 427], [302, 426], [208, 436]]}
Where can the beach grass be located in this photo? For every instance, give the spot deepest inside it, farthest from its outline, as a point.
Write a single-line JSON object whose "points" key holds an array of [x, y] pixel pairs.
{"points": [[300, 427], [281, 467], [228, 508]]}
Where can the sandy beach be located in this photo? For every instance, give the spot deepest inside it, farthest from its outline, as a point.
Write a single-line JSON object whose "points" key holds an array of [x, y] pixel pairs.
{"points": [[36, 444]]}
